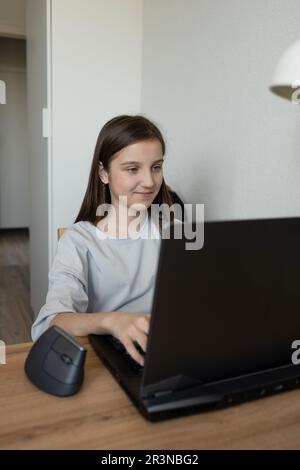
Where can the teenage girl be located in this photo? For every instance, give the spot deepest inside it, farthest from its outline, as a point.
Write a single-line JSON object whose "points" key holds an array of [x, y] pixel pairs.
{"points": [[103, 274]]}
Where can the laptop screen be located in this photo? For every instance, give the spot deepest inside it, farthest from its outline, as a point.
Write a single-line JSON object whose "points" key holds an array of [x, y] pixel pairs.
{"points": [[232, 307]]}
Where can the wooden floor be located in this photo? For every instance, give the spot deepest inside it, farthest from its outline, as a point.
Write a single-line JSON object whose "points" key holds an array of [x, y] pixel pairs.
{"points": [[16, 315]]}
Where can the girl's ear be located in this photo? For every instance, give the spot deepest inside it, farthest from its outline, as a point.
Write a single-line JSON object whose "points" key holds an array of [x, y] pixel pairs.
{"points": [[103, 173]]}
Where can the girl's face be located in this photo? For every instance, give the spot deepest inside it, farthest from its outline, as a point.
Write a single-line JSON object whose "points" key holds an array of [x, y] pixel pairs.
{"points": [[136, 172]]}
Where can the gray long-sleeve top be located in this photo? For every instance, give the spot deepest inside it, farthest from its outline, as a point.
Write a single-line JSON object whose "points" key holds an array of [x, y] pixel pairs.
{"points": [[93, 272]]}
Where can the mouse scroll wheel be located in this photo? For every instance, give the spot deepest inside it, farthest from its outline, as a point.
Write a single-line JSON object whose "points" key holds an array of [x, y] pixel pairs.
{"points": [[66, 359]]}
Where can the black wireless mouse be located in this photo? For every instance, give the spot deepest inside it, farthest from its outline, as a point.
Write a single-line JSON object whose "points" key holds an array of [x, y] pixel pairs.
{"points": [[55, 363]]}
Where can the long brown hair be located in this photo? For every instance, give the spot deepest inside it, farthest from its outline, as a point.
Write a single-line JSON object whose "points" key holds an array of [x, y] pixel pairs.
{"points": [[115, 135]]}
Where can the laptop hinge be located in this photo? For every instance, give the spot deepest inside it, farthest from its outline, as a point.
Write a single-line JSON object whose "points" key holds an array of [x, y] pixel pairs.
{"points": [[163, 392], [169, 385]]}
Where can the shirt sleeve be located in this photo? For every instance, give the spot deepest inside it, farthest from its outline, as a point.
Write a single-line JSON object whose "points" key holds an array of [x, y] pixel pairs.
{"points": [[68, 279]]}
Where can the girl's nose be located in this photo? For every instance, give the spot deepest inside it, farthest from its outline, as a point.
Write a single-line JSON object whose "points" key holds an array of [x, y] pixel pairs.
{"points": [[148, 180]]}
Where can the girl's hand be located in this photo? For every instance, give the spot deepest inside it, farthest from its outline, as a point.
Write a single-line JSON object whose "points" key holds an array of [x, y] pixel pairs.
{"points": [[128, 327]]}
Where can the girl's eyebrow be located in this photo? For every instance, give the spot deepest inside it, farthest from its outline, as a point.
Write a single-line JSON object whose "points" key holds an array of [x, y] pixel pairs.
{"points": [[137, 163]]}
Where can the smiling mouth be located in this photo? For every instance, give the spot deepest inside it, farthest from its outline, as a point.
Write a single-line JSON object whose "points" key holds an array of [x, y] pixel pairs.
{"points": [[142, 193]]}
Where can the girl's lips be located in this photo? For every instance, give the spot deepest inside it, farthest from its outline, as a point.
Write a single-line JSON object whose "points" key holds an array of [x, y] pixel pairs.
{"points": [[144, 195]]}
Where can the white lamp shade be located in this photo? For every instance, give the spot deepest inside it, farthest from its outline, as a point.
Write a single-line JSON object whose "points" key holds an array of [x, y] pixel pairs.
{"points": [[286, 77]]}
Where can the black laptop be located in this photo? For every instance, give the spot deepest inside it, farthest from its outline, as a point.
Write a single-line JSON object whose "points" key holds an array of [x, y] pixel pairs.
{"points": [[222, 324]]}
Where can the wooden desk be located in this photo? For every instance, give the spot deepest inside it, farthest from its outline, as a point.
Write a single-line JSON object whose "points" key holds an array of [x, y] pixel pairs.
{"points": [[101, 416]]}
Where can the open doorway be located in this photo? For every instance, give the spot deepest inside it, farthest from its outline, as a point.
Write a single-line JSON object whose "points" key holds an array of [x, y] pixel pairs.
{"points": [[15, 312]]}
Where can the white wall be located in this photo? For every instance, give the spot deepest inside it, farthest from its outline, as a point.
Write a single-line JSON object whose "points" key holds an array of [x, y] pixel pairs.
{"points": [[14, 161], [12, 18], [96, 74], [36, 22], [90, 73], [207, 65]]}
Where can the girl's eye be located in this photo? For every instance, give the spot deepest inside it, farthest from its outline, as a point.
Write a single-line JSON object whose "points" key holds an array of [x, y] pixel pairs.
{"points": [[134, 170]]}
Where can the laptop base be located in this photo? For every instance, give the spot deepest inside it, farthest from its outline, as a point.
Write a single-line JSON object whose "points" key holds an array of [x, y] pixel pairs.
{"points": [[206, 397]]}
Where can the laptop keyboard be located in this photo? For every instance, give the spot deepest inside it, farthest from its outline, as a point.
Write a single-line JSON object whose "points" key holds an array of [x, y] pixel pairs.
{"points": [[135, 366]]}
